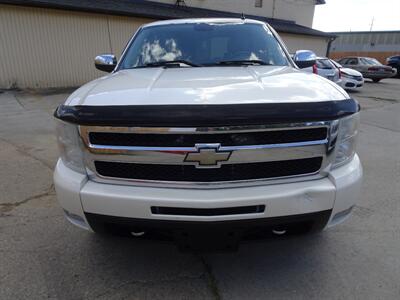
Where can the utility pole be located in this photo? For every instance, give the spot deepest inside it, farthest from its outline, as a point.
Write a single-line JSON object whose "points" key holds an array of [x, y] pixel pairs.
{"points": [[273, 9], [372, 24]]}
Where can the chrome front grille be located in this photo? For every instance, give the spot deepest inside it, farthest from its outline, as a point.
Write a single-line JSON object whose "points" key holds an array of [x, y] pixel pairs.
{"points": [[208, 157], [225, 139]]}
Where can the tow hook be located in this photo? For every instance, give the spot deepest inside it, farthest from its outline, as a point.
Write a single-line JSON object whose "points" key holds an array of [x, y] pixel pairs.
{"points": [[279, 231], [137, 234]]}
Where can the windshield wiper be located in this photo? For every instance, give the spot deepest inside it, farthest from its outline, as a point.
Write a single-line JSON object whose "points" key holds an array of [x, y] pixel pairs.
{"points": [[171, 64], [248, 62]]}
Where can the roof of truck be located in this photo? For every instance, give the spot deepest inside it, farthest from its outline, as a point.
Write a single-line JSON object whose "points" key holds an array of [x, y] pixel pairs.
{"points": [[204, 20]]}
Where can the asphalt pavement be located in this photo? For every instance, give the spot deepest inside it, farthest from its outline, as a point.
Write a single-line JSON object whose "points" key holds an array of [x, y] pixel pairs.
{"points": [[43, 256]]}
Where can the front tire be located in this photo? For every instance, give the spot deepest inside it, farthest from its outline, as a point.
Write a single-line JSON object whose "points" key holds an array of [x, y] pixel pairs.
{"points": [[398, 70], [376, 80]]}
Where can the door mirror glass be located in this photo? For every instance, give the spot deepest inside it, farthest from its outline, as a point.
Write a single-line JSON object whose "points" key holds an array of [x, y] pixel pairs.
{"points": [[304, 58], [105, 62]]}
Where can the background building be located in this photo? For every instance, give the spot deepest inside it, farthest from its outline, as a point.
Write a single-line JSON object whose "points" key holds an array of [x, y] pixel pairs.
{"points": [[299, 11], [52, 43], [377, 44]]}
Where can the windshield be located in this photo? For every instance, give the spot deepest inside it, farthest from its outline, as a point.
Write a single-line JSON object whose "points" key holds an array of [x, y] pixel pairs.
{"points": [[202, 44], [370, 61], [324, 64], [336, 64]]}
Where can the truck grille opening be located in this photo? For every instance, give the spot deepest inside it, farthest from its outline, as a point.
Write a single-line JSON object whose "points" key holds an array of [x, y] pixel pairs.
{"points": [[188, 173], [225, 139], [199, 157], [225, 211]]}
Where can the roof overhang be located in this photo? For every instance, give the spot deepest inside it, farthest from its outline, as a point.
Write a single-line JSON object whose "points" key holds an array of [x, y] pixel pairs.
{"points": [[162, 11]]}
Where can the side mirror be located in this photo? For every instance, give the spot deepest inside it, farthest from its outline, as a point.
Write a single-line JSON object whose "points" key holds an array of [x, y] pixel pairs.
{"points": [[304, 58], [105, 62]]}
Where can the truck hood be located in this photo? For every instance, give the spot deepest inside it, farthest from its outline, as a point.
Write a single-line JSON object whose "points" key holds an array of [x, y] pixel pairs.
{"points": [[206, 85]]}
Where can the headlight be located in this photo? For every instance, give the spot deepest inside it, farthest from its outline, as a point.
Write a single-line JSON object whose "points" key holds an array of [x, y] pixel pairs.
{"points": [[347, 75], [69, 144], [347, 139]]}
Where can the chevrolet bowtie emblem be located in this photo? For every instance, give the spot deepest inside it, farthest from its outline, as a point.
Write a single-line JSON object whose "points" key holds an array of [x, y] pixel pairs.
{"points": [[208, 156]]}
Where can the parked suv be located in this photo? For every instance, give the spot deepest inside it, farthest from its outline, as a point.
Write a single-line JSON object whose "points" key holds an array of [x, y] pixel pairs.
{"points": [[206, 132], [394, 62]]}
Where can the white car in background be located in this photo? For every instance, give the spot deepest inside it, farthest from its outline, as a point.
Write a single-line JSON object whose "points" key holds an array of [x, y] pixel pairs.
{"points": [[351, 79], [325, 68]]}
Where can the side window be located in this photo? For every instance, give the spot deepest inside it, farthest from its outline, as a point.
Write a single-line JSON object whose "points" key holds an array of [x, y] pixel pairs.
{"points": [[352, 61], [343, 61], [323, 64]]}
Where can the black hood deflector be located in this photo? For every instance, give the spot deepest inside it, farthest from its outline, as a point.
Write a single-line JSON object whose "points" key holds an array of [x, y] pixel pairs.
{"points": [[206, 115]]}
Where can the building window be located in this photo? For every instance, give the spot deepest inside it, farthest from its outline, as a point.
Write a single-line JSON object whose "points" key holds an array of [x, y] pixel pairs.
{"points": [[258, 3]]}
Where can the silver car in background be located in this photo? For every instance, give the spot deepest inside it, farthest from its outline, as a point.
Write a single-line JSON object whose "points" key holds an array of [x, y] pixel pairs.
{"points": [[368, 67], [325, 68]]}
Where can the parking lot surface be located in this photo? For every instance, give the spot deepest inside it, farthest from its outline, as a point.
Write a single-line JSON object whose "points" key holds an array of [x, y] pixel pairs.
{"points": [[43, 256]]}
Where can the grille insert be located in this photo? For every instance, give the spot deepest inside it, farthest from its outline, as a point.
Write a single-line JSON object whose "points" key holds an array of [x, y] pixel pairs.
{"points": [[225, 139], [228, 172], [225, 211]]}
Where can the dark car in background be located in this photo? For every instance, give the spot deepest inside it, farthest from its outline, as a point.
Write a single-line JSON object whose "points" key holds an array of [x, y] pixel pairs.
{"points": [[394, 62], [369, 67]]}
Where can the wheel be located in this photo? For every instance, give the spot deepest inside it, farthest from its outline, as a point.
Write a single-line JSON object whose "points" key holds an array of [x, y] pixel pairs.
{"points": [[376, 80], [397, 68]]}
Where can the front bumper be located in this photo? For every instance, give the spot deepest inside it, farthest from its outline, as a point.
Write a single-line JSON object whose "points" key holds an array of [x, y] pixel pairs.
{"points": [[377, 75], [220, 235], [351, 84], [336, 193]]}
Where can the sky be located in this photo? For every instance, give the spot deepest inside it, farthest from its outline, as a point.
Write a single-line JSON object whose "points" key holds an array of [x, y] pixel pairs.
{"points": [[357, 15]]}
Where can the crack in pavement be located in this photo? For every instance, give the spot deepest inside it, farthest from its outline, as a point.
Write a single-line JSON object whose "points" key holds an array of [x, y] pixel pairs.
{"points": [[146, 282], [18, 101], [212, 281], [381, 127], [382, 105], [380, 98], [208, 274], [26, 153], [7, 207]]}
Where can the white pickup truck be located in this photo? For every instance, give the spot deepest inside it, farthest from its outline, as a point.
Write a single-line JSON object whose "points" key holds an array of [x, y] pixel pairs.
{"points": [[207, 133]]}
